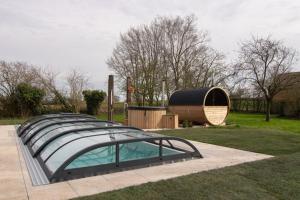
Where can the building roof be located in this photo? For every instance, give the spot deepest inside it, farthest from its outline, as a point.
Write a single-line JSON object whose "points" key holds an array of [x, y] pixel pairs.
{"points": [[291, 93]]}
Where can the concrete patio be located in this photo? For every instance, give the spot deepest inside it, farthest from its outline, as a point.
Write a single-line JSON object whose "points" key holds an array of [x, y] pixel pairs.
{"points": [[15, 182]]}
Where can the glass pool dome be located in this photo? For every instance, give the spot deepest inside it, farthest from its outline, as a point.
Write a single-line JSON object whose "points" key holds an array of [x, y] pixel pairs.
{"points": [[69, 146]]}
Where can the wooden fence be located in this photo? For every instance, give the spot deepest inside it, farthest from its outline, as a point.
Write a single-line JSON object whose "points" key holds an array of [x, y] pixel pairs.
{"points": [[258, 105]]}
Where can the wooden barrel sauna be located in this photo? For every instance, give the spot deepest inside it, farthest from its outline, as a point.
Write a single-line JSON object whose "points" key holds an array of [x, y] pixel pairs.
{"points": [[146, 117], [202, 106]]}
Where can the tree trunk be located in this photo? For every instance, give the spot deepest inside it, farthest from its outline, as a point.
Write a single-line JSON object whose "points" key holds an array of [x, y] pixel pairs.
{"points": [[268, 110]]}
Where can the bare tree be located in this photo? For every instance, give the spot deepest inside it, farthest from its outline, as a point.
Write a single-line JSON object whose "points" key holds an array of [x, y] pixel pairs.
{"points": [[13, 73], [264, 62], [47, 80], [137, 56], [210, 69], [183, 44], [170, 49], [77, 82]]}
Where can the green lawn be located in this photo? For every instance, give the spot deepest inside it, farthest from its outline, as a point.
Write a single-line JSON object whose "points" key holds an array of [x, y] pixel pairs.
{"points": [[276, 178], [240, 119], [268, 141], [116, 117], [258, 121], [11, 121]]}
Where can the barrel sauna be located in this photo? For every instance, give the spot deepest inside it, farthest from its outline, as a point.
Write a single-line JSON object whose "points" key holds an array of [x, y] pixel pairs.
{"points": [[202, 106]]}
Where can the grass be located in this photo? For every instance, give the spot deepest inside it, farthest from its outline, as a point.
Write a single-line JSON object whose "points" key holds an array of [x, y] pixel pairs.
{"points": [[11, 121], [258, 121], [276, 178], [244, 120], [239, 119], [268, 141], [116, 117]]}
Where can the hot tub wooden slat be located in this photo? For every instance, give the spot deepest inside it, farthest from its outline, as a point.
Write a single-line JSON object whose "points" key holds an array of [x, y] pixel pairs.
{"points": [[146, 119]]}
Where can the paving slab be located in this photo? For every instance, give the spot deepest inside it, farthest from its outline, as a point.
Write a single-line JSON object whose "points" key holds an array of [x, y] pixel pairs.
{"points": [[91, 185], [12, 184], [15, 182]]}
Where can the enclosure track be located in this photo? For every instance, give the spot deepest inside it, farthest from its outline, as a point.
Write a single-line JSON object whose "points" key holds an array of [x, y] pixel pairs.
{"points": [[37, 175]]}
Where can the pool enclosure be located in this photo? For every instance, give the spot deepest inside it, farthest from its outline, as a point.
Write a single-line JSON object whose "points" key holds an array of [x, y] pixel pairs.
{"points": [[69, 146]]}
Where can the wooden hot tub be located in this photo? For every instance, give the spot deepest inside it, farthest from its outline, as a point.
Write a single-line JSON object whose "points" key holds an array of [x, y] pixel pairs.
{"points": [[146, 117]]}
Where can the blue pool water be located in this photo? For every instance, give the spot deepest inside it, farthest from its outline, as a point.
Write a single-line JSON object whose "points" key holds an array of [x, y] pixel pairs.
{"points": [[129, 151]]}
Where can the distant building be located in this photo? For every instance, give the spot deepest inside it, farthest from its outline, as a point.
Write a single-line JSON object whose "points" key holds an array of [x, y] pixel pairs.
{"points": [[287, 102]]}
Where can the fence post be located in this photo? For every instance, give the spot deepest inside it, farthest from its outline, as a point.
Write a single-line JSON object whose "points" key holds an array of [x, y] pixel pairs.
{"points": [[110, 101]]}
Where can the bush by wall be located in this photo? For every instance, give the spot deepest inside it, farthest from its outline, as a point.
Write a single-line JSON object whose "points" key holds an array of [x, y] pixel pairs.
{"points": [[93, 99], [28, 99]]}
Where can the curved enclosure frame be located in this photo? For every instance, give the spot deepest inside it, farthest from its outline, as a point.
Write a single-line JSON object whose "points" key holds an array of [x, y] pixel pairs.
{"points": [[205, 105], [31, 123], [71, 148]]}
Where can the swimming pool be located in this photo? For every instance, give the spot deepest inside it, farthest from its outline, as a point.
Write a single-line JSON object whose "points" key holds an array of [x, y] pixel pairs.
{"points": [[129, 151], [68, 147]]}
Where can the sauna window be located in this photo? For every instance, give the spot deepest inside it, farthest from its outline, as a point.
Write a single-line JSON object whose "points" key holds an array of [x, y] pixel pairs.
{"points": [[216, 97]]}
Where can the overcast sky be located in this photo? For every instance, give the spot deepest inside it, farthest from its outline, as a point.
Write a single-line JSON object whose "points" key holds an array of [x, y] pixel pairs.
{"points": [[66, 34]]}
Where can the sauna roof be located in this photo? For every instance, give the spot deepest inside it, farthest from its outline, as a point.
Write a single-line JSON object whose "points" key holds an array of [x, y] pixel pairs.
{"points": [[203, 96]]}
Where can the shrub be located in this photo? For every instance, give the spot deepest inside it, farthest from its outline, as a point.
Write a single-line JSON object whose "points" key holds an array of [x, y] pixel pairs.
{"points": [[9, 106], [93, 99], [185, 124], [29, 99]]}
